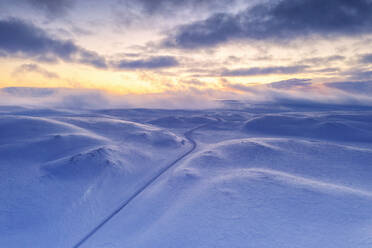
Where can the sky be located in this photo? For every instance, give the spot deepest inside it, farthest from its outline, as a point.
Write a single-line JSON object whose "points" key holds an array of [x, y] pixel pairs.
{"points": [[218, 47]]}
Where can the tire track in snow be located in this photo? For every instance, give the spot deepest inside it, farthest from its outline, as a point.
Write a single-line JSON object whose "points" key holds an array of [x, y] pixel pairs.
{"points": [[188, 136]]}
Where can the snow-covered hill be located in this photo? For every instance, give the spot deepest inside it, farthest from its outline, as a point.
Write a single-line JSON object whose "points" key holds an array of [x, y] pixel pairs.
{"points": [[164, 178]]}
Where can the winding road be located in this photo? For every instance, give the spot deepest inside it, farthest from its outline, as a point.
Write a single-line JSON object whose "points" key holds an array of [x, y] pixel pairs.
{"points": [[188, 136]]}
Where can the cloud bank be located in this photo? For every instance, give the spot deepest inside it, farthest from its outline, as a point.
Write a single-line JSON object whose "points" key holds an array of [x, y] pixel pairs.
{"points": [[155, 62], [25, 40], [285, 20], [80, 99], [264, 71], [22, 39], [294, 92]]}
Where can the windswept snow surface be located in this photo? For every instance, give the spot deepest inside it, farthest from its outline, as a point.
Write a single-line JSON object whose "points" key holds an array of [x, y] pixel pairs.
{"points": [[177, 178]]}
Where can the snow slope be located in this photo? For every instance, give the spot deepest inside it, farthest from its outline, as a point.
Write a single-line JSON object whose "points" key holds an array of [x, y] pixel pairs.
{"points": [[216, 178], [59, 175]]}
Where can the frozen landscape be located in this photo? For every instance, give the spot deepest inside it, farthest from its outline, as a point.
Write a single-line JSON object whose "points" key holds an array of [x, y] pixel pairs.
{"points": [[185, 124], [248, 176]]}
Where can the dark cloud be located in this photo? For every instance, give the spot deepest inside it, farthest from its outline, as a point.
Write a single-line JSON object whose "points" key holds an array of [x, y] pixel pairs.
{"points": [[23, 39], [290, 83], [53, 8], [148, 63], [36, 69], [28, 92], [361, 75], [364, 88], [280, 20], [168, 6], [284, 85], [91, 58], [366, 58], [263, 71], [329, 70], [322, 60]]}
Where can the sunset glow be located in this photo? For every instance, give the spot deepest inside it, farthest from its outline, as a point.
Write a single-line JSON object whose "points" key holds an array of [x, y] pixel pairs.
{"points": [[135, 47]]}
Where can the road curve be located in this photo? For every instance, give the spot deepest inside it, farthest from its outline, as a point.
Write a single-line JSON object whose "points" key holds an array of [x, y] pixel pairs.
{"points": [[188, 136]]}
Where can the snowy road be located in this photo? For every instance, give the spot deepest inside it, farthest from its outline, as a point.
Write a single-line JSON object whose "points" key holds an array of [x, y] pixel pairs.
{"points": [[188, 136]]}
